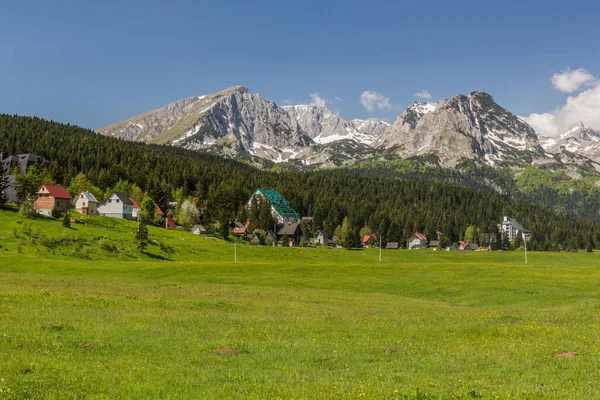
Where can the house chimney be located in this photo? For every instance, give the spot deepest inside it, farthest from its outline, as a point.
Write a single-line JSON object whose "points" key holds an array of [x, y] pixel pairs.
{"points": [[506, 219]]}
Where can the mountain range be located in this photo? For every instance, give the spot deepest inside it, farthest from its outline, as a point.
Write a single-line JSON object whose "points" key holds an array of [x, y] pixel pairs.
{"points": [[238, 123]]}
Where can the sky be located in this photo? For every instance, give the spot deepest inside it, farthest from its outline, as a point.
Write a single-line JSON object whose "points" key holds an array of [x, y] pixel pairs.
{"points": [[96, 63]]}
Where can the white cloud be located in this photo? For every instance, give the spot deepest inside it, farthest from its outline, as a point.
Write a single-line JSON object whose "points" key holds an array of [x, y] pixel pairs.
{"points": [[372, 100], [583, 107], [568, 81], [317, 100], [423, 94]]}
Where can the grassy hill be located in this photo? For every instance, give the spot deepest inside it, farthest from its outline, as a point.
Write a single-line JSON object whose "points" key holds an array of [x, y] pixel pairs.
{"points": [[85, 320]]}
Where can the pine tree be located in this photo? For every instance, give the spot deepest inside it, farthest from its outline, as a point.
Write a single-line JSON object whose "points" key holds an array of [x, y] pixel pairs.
{"points": [[141, 236], [66, 221]]}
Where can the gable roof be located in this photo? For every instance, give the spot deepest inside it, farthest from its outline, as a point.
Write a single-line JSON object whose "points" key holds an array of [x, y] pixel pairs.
{"points": [[290, 229], [56, 191], [89, 196], [392, 245], [122, 196], [419, 236], [515, 224], [134, 203], [366, 238], [279, 203], [158, 210]]}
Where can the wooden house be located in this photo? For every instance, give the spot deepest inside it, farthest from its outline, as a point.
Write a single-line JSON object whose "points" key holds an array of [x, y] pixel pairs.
{"points": [[435, 244], [416, 241], [369, 240], [392, 245], [293, 231], [50, 197], [86, 204]]}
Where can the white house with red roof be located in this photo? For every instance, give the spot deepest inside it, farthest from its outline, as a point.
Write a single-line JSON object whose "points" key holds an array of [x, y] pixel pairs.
{"points": [[416, 241], [50, 197]]}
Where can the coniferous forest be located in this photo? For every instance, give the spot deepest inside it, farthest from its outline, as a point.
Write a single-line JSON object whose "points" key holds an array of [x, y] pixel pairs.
{"points": [[393, 205]]}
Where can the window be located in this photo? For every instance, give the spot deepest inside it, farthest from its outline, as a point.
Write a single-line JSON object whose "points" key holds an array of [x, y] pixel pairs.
{"points": [[110, 200], [84, 204], [57, 204], [116, 200]]}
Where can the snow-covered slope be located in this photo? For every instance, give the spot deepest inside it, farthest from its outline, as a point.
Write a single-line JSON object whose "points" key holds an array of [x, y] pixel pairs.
{"points": [[578, 139]]}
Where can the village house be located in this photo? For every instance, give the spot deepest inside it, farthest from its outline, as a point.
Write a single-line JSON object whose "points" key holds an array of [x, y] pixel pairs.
{"points": [[135, 209], [86, 204], [511, 228], [52, 197], [293, 231], [280, 208], [117, 205], [321, 238], [199, 230], [416, 241], [369, 240], [435, 245]]}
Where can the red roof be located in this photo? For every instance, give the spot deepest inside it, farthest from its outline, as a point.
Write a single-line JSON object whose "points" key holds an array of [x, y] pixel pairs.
{"points": [[460, 242], [368, 237], [158, 210], [135, 204], [419, 236], [56, 191], [170, 223], [239, 231]]}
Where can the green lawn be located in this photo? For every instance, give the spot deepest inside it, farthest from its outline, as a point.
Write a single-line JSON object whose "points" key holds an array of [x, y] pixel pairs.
{"points": [[84, 315]]}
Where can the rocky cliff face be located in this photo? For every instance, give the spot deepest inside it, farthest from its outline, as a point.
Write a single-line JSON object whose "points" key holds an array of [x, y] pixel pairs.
{"points": [[578, 140], [463, 127]]}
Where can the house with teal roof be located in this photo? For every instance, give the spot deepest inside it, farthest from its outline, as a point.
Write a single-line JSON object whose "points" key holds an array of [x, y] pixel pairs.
{"points": [[280, 208]]}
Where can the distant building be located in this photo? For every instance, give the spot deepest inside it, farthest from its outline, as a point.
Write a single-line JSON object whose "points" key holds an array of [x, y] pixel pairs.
{"points": [[435, 244], [199, 230], [117, 205], [86, 204], [511, 228], [280, 208], [23, 161], [135, 209], [392, 245], [416, 241], [10, 191], [50, 197], [321, 238], [293, 231], [369, 239]]}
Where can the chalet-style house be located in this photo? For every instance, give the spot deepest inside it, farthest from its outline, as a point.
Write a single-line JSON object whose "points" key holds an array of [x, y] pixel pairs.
{"points": [[280, 208], [511, 228], [117, 205], [392, 245], [416, 241], [369, 240], [23, 161], [86, 204], [293, 231], [321, 238], [50, 197]]}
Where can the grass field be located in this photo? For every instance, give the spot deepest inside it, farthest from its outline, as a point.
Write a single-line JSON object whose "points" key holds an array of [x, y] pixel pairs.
{"points": [[84, 315]]}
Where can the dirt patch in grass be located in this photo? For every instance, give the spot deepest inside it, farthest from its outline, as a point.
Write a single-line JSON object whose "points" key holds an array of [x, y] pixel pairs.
{"points": [[87, 346], [389, 351], [229, 351], [563, 356]]}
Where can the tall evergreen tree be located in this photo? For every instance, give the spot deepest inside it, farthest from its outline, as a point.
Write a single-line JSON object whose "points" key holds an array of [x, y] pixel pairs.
{"points": [[3, 187]]}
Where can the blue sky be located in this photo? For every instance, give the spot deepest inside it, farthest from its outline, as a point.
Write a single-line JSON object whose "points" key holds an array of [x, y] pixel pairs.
{"points": [[94, 63]]}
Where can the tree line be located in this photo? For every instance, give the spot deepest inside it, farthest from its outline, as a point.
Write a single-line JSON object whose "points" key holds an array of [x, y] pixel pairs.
{"points": [[219, 189]]}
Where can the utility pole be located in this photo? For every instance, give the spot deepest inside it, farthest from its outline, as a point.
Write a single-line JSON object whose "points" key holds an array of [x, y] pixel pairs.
{"points": [[234, 253], [380, 248], [525, 242]]}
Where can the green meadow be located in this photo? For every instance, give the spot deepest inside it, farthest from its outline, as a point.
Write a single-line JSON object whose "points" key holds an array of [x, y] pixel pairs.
{"points": [[84, 315]]}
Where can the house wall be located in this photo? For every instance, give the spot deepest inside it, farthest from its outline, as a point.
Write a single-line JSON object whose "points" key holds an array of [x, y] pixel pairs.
{"points": [[86, 207], [415, 243], [113, 207]]}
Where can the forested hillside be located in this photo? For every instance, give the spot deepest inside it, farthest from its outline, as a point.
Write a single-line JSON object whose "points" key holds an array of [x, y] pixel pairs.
{"points": [[393, 207]]}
